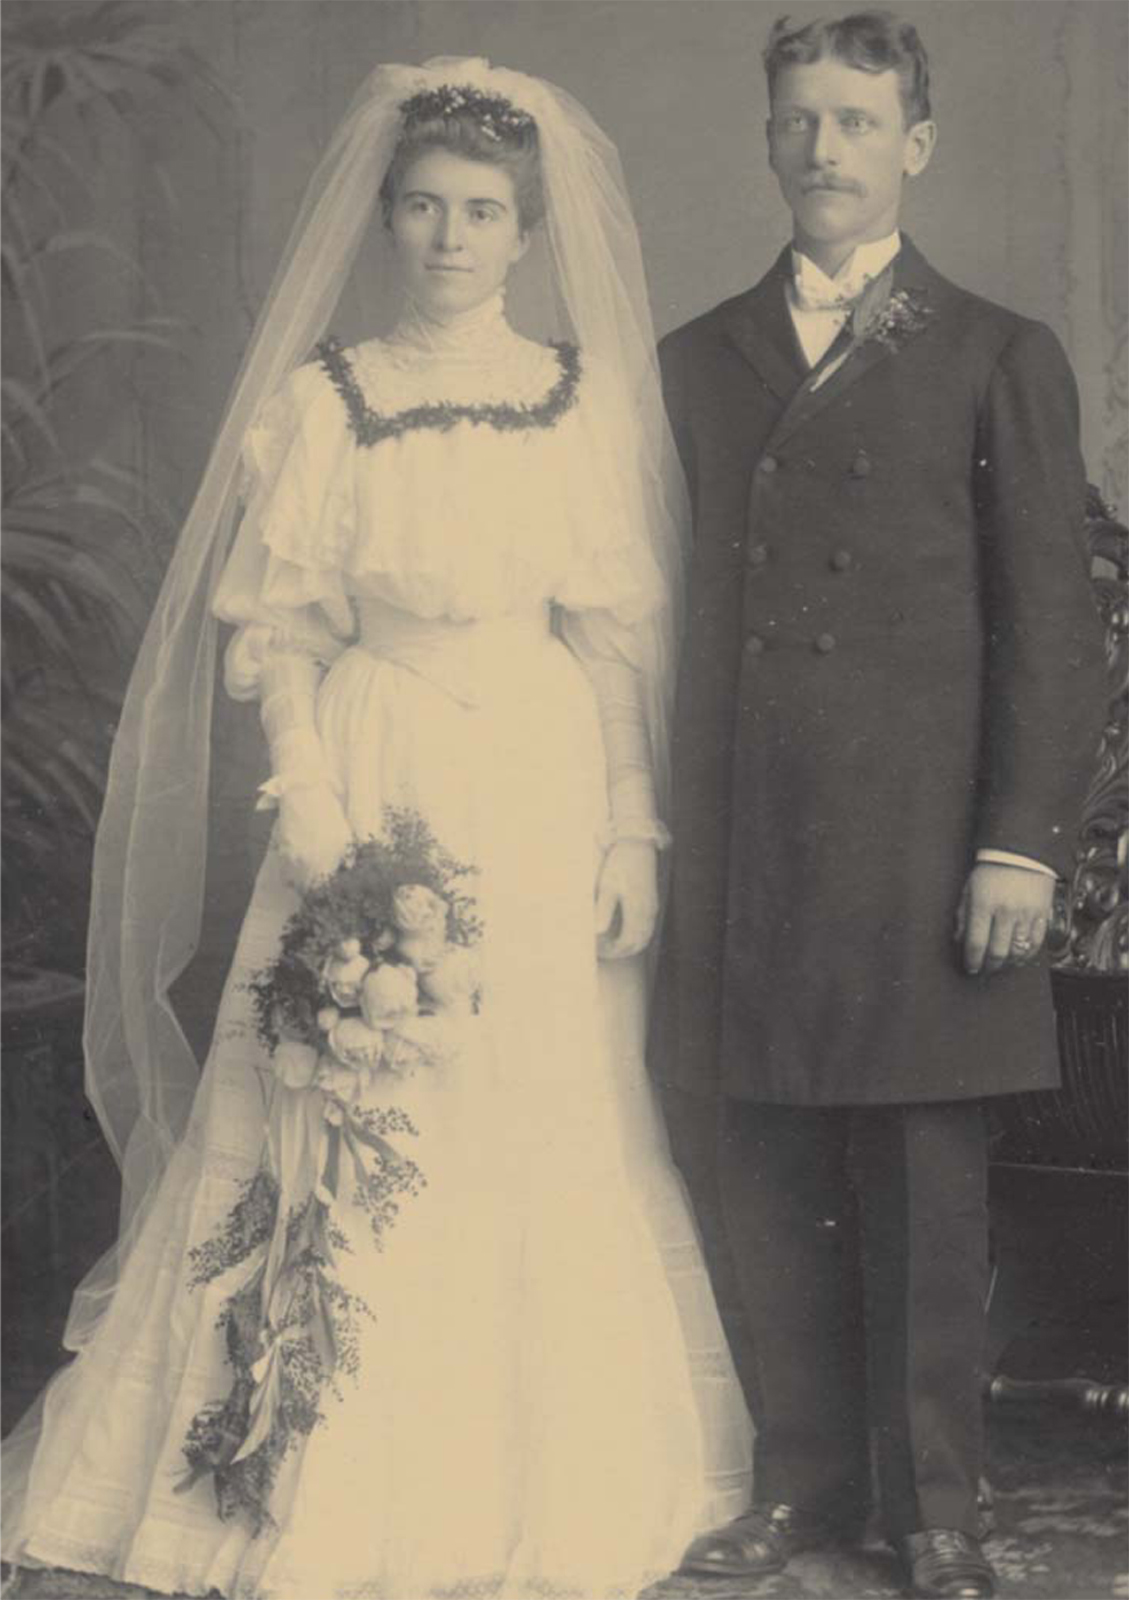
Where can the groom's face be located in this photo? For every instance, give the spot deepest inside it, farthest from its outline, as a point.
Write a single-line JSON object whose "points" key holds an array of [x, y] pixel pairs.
{"points": [[840, 148]]}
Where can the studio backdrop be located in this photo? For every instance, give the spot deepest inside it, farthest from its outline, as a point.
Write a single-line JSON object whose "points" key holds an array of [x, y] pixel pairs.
{"points": [[1024, 202]]}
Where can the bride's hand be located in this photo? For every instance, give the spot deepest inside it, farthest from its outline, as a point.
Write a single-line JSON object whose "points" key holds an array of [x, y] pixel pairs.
{"points": [[627, 899], [312, 833]]}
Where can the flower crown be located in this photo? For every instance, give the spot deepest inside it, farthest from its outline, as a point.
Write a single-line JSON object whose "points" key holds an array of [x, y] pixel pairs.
{"points": [[493, 114]]}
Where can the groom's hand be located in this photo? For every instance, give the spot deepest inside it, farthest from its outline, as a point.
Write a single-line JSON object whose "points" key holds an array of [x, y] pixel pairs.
{"points": [[1003, 916], [627, 899]]}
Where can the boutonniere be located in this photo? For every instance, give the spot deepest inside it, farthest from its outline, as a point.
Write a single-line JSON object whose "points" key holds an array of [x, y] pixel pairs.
{"points": [[888, 316]]}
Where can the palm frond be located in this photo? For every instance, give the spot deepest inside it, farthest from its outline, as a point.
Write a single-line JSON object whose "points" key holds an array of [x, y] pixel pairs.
{"points": [[26, 407], [15, 270], [67, 360], [70, 524], [56, 646], [49, 769], [25, 156], [98, 589]]}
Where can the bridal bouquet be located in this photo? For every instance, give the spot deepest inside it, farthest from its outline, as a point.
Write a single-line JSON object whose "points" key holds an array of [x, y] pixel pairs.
{"points": [[375, 972], [374, 980]]}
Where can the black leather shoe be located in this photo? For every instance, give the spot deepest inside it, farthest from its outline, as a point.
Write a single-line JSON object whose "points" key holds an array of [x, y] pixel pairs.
{"points": [[945, 1564], [762, 1540]]}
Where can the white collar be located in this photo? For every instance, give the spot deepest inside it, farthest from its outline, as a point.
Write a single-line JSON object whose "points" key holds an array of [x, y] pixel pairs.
{"points": [[814, 290], [472, 333]]}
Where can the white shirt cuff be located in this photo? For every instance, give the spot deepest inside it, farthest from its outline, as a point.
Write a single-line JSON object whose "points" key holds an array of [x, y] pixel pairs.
{"points": [[1004, 858]]}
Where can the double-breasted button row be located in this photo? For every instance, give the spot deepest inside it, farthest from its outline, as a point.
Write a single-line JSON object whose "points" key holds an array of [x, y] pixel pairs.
{"points": [[757, 555], [822, 644], [861, 464]]}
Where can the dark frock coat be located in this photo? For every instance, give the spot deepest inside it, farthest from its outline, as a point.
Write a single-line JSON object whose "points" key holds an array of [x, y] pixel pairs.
{"points": [[892, 658]]}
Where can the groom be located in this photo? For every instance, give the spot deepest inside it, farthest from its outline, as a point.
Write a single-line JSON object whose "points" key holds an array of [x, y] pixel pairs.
{"points": [[889, 699]]}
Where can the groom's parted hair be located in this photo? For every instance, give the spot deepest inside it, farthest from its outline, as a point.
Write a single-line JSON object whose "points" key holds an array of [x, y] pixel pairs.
{"points": [[872, 41]]}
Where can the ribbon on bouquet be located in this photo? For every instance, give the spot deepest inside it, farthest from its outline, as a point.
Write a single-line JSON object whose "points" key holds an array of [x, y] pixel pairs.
{"points": [[290, 1325]]}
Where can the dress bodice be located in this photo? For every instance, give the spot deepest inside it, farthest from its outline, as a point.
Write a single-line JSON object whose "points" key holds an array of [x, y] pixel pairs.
{"points": [[457, 471]]}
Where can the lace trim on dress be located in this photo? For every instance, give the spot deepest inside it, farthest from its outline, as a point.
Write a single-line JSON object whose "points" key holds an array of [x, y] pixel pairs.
{"points": [[370, 426]]}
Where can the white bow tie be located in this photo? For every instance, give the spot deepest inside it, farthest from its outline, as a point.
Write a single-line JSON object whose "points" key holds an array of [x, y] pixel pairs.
{"points": [[834, 297]]}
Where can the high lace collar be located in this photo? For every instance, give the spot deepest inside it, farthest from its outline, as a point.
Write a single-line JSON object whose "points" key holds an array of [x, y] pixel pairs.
{"points": [[474, 335]]}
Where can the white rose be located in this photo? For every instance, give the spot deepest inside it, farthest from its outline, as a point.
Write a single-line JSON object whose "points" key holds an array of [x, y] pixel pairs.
{"points": [[344, 977], [343, 1083], [355, 1044], [388, 994], [422, 950], [418, 909], [451, 983]]}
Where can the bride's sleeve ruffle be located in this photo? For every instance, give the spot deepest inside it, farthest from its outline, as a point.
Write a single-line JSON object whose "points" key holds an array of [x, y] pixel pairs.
{"points": [[613, 569], [282, 586]]}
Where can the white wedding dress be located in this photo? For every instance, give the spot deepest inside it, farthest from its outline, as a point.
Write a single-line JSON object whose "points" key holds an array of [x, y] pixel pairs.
{"points": [[544, 1403]]}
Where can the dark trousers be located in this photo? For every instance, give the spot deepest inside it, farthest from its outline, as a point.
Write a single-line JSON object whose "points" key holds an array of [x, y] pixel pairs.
{"points": [[859, 1238]]}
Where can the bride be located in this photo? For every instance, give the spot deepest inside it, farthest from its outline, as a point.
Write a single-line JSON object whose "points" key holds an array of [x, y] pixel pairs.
{"points": [[453, 590]]}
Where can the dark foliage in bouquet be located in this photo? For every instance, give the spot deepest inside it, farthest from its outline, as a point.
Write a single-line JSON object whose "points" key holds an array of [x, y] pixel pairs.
{"points": [[290, 1336], [242, 1440], [354, 905]]}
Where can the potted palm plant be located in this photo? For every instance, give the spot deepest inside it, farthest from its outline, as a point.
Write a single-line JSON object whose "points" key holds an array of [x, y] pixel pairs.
{"points": [[78, 559], [77, 518]]}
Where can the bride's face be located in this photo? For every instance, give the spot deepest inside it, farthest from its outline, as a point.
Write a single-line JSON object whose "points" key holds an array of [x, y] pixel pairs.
{"points": [[456, 231]]}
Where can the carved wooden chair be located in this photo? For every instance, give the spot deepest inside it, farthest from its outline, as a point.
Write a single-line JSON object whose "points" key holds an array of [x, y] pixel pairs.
{"points": [[1083, 1127]]}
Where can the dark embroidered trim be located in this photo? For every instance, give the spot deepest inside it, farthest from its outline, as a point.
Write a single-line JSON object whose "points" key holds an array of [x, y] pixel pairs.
{"points": [[371, 427]]}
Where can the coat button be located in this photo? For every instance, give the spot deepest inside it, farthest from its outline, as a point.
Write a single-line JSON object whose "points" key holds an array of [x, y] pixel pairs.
{"points": [[758, 555], [768, 464], [825, 643], [754, 644], [841, 561], [862, 466]]}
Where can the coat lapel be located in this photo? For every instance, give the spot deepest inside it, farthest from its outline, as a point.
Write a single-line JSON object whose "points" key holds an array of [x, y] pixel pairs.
{"points": [[760, 327], [911, 271]]}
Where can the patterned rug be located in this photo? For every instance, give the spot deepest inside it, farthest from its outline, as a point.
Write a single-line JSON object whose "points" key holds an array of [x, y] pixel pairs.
{"points": [[1062, 1528]]}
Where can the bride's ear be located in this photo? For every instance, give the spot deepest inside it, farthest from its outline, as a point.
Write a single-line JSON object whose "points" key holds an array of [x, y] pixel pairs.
{"points": [[521, 245]]}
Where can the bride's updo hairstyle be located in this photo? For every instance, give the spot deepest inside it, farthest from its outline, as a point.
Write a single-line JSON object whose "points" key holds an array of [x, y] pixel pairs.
{"points": [[477, 127]]}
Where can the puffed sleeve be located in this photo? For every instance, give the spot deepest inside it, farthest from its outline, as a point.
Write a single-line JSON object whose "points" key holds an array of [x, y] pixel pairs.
{"points": [[282, 586], [613, 568], [614, 590]]}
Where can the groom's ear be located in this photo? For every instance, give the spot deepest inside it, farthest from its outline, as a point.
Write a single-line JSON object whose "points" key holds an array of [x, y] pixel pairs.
{"points": [[921, 140]]}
